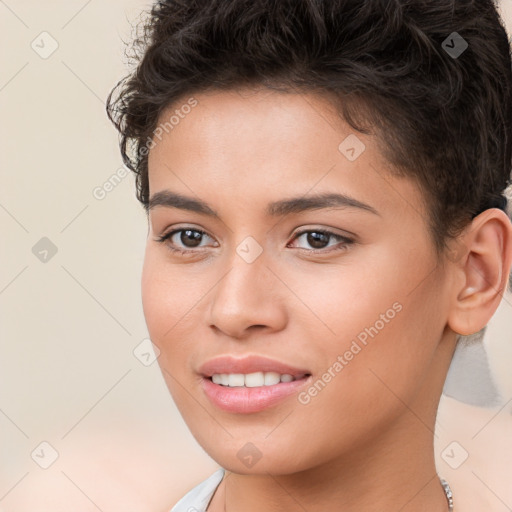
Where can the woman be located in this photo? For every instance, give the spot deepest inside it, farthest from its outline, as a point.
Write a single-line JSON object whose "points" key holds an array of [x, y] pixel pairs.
{"points": [[324, 183]]}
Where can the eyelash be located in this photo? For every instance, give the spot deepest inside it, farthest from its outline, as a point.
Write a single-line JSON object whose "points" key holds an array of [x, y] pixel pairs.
{"points": [[345, 241]]}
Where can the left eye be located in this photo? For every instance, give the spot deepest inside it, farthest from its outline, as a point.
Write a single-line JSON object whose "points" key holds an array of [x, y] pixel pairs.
{"points": [[317, 238]]}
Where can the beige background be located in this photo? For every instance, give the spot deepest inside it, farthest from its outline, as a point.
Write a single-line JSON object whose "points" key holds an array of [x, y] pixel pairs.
{"points": [[69, 325]]}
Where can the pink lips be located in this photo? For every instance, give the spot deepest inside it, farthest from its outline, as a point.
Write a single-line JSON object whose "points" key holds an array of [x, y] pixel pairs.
{"points": [[246, 399], [248, 364]]}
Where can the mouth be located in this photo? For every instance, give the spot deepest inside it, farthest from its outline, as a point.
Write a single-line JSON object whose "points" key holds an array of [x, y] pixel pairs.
{"points": [[255, 369], [250, 384], [248, 394], [254, 379]]}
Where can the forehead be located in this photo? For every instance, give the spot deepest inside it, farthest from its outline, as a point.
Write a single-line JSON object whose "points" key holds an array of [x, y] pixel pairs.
{"points": [[266, 144]]}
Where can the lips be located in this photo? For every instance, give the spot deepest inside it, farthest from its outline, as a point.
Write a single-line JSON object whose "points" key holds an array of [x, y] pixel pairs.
{"points": [[249, 364]]}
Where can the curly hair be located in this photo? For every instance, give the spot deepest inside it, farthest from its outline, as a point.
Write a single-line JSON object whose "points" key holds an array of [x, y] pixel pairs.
{"points": [[442, 118]]}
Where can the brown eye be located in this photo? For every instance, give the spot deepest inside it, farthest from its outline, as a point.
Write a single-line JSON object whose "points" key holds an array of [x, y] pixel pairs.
{"points": [[190, 237], [317, 239], [188, 240]]}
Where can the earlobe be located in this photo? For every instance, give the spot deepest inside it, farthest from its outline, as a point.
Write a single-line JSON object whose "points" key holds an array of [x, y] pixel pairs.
{"points": [[485, 271]]}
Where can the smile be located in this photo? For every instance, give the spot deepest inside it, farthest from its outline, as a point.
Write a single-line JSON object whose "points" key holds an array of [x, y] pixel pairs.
{"points": [[252, 380]]}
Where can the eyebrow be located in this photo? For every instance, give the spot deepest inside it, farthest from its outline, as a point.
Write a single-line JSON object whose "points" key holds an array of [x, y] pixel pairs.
{"points": [[279, 208]]}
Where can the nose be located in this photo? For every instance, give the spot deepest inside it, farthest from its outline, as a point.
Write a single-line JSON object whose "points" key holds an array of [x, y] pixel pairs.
{"points": [[247, 298]]}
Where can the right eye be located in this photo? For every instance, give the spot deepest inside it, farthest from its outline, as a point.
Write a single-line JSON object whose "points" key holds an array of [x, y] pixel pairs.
{"points": [[187, 235]]}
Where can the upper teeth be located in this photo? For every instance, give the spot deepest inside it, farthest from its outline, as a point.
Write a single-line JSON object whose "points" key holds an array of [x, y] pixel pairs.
{"points": [[251, 380]]}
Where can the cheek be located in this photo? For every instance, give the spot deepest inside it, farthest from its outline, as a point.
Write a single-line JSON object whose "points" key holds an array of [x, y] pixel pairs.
{"points": [[341, 303], [153, 295], [173, 302], [167, 295], [162, 312], [384, 328]]}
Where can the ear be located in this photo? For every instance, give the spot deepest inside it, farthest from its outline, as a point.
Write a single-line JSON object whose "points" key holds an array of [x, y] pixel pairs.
{"points": [[482, 266]]}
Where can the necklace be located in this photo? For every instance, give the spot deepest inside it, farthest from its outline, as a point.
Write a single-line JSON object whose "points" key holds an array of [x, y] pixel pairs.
{"points": [[448, 492], [446, 487]]}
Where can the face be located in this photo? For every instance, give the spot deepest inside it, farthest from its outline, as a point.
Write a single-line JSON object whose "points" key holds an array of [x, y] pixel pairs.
{"points": [[348, 291]]}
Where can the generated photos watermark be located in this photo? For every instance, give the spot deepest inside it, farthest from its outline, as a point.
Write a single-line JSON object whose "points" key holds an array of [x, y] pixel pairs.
{"points": [[174, 120], [356, 347]]}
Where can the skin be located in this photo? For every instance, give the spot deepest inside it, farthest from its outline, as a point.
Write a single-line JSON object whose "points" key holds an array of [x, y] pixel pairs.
{"points": [[365, 442]]}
